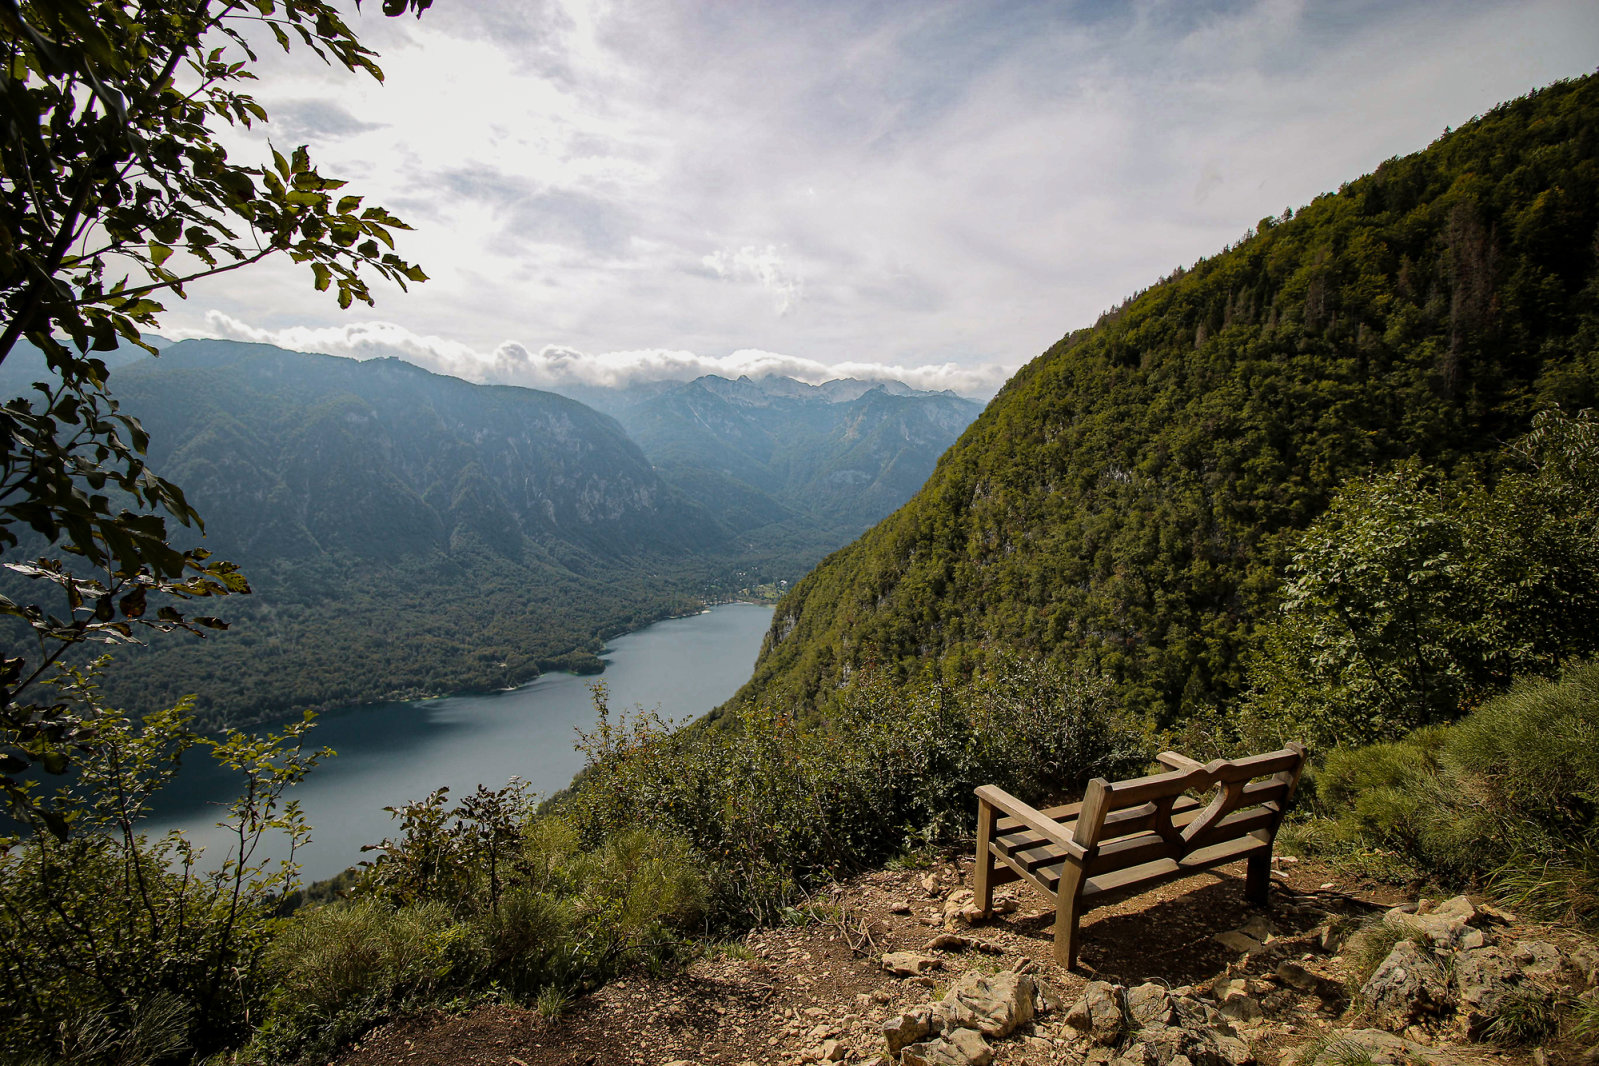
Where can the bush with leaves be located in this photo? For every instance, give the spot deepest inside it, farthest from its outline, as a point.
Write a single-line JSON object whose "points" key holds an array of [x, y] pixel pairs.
{"points": [[115, 948], [773, 808], [1415, 597], [429, 923]]}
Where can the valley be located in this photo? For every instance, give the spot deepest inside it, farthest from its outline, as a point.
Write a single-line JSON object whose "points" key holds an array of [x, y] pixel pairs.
{"points": [[408, 534]]}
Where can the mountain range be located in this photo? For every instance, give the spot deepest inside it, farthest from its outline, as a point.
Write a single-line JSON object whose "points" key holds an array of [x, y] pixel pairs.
{"points": [[410, 533]]}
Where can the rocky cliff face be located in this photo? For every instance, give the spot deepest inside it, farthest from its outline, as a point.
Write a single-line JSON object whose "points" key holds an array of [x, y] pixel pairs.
{"points": [[287, 453]]}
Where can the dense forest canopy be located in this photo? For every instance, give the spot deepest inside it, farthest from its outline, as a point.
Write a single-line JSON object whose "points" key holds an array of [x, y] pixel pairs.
{"points": [[1126, 503]]}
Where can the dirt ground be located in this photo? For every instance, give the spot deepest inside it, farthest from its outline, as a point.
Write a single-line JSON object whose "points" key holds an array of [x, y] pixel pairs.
{"points": [[784, 990]]}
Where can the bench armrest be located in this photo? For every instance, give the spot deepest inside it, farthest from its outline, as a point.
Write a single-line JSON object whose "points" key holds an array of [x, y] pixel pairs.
{"points": [[1178, 762], [1035, 820]]}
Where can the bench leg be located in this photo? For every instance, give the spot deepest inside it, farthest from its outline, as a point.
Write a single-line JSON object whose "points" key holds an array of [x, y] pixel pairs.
{"points": [[1257, 882], [983, 872], [1068, 935]]}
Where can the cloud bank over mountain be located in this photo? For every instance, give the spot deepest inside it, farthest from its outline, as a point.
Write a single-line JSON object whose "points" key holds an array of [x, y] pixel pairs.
{"points": [[512, 363]]}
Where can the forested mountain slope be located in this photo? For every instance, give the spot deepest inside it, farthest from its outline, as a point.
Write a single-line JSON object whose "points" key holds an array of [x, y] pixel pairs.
{"points": [[1127, 500]]}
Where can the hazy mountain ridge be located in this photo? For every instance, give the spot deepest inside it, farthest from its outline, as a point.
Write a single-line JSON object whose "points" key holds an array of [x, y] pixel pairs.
{"points": [[845, 452], [1127, 501], [425, 457]]}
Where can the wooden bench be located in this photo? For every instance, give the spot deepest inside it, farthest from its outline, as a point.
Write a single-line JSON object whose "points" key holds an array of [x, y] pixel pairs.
{"points": [[1127, 836]]}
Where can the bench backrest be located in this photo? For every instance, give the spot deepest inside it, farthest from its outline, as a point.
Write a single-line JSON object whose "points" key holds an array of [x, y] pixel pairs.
{"points": [[1127, 823]]}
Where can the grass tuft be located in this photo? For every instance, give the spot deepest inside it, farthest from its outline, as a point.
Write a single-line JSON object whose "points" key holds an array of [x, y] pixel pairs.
{"points": [[1526, 1017]]}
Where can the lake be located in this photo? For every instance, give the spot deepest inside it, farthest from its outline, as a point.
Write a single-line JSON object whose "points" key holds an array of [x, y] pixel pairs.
{"points": [[394, 752]]}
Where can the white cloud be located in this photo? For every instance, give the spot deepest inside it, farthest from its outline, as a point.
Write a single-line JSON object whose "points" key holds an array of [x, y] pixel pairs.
{"points": [[894, 185], [511, 363], [765, 266]]}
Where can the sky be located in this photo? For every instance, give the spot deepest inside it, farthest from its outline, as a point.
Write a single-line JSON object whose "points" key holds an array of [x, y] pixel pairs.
{"points": [[611, 192]]}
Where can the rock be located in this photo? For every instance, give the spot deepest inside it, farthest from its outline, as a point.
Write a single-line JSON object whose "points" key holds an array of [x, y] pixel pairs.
{"points": [[1139, 1053], [1036, 1048], [1360, 1045], [832, 1050], [930, 884], [1442, 926], [995, 1005], [1005, 905], [1406, 986], [1296, 976], [1098, 1013], [1259, 928], [1230, 1049], [900, 906], [962, 1047], [905, 1029], [1458, 908], [950, 942], [909, 963], [1198, 1044], [1542, 961], [1585, 959], [972, 1047], [1045, 996], [1331, 937], [1495, 914], [1482, 979], [1243, 1008], [1233, 940], [1150, 1004]]}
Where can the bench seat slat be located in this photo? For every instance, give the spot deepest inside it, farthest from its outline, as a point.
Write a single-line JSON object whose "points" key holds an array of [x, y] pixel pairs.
{"points": [[1016, 837], [1194, 862]]}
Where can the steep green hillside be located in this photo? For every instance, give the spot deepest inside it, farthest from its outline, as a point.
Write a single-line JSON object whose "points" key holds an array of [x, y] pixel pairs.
{"points": [[1126, 501]]}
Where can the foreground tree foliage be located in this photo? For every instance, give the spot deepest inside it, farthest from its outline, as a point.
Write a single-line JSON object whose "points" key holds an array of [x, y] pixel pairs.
{"points": [[117, 948], [1415, 598], [114, 192]]}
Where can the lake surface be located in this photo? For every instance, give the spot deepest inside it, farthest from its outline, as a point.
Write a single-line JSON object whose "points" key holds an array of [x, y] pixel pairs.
{"points": [[394, 752]]}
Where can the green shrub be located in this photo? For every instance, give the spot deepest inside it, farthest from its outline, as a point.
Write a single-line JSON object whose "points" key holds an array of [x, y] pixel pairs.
{"points": [[1418, 595], [772, 808], [116, 948], [342, 967], [1509, 794]]}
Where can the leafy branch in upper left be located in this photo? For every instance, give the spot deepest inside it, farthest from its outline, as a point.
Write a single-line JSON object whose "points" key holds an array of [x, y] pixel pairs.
{"points": [[114, 191]]}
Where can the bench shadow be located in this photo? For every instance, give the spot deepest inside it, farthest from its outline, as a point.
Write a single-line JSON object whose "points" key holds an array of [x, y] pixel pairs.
{"points": [[1168, 934]]}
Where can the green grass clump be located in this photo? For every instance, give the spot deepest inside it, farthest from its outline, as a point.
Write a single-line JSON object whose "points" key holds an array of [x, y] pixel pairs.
{"points": [[1526, 1016], [1506, 796], [1584, 1020], [1332, 1051]]}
